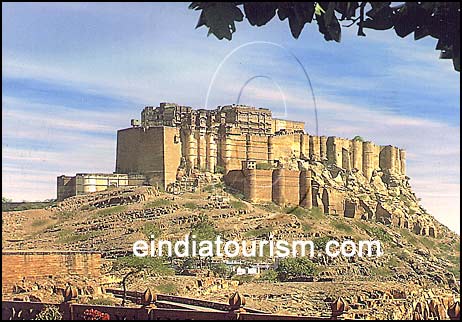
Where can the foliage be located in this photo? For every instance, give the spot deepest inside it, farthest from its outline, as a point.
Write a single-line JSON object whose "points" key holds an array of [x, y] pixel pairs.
{"points": [[440, 20], [295, 267], [320, 242], [342, 226], [271, 207], [313, 213], [204, 230], [258, 232], [5, 200], [87, 207], [297, 211], [7, 205], [221, 269], [237, 204], [68, 236], [379, 233], [101, 301], [167, 288], [111, 210], [190, 205], [244, 278], [155, 265], [157, 203], [151, 229], [381, 272], [66, 214], [220, 169], [269, 275], [410, 237], [49, 312], [358, 138]]}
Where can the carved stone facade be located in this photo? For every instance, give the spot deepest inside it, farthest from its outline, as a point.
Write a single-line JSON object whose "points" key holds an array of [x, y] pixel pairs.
{"points": [[172, 136]]}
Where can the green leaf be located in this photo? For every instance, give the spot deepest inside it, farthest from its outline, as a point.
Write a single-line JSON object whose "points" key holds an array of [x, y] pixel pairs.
{"points": [[259, 13], [219, 18], [318, 10]]}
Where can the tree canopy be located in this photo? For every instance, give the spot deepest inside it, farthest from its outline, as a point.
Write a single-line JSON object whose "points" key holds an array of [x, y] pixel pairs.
{"points": [[440, 20]]}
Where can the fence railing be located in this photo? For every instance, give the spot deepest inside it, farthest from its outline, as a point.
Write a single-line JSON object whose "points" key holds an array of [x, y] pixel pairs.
{"points": [[16, 310], [155, 307]]}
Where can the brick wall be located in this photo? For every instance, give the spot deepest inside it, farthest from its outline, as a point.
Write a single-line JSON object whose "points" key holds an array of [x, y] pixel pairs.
{"points": [[35, 265]]}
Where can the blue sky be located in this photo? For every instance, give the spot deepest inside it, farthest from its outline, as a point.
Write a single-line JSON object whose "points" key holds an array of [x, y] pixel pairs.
{"points": [[72, 74]]}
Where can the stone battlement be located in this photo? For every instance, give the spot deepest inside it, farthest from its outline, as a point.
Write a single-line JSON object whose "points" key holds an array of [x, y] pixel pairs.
{"points": [[171, 137]]}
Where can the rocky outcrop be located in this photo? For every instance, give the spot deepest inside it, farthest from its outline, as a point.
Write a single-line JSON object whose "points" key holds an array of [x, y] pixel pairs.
{"points": [[386, 198]]}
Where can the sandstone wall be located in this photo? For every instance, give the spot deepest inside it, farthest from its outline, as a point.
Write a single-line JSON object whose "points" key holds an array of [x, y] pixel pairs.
{"points": [[154, 152], [282, 186], [235, 179], [34, 265], [257, 148], [258, 185], [289, 126], [286, 187], [171, 155], [158, 151], [66, 187], [290, 145]]}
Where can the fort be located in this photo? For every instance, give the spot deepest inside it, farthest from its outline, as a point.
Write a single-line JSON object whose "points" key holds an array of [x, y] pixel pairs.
{"points": [[265, 159], [172, 137]]}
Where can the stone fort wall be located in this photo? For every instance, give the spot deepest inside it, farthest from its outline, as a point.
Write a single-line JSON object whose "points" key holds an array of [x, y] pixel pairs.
{"points": [[35, 265], [171, 136], [281, 186], [154, 152]]}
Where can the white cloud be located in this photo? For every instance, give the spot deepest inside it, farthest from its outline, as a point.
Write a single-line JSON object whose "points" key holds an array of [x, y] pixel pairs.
{"points": [[165, 66], [433, 147]]}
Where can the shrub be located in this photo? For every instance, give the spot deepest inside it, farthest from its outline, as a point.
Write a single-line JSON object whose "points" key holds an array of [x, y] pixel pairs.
{"points": [[380, 234], [204, 230], [190, 205], [101, 301], [381, 272], [300, 212], [213, 187], [151, 229], [68, 236], [49, 312], [320, 242], [258, 232], [297, 211], [269, 275], [244, 278], [111, 210], [306, 227], [220, 169], [155, 265], [295, 267], [271, 207], [167, 288], [158, 203], [316, 213], [66, 214], [342, 226], [87, 208], [221, 269], [237, 204]]}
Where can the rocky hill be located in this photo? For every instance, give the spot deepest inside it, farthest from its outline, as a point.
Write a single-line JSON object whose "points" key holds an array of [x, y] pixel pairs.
{"points": [[416, 259]]}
